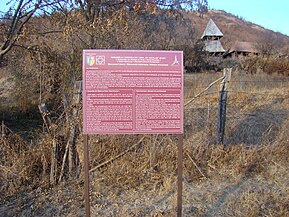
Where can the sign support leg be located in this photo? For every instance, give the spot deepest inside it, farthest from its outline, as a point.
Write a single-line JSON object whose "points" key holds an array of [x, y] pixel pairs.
{"points": [[180, 175], [86, 176]]}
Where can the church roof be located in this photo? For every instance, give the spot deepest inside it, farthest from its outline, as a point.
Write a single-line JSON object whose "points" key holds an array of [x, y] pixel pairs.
{"points": [[212, 30], [214, 46], [244, 46]]}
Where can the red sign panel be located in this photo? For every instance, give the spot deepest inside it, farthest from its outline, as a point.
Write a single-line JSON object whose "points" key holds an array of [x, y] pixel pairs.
{"points": [[132, 92]]}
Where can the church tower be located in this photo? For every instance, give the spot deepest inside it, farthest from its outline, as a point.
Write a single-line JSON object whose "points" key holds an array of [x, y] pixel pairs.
{"points": [[211, 37]]}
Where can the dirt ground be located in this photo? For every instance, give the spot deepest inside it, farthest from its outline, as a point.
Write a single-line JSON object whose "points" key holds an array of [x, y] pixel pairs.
{"points": [[219, 198]]}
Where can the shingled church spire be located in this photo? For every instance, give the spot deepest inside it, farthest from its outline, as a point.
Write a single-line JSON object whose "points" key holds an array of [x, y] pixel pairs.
{"points": [[212, 32]]}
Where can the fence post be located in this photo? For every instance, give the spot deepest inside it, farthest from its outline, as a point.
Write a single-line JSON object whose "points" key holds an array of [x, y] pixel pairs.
{"points": [[222, 105], [45, 115], [70, 149], [72, 154], [3, 129]]}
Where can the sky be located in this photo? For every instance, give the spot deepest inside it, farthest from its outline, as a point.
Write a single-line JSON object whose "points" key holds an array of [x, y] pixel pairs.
{"points": [[271, 14]]}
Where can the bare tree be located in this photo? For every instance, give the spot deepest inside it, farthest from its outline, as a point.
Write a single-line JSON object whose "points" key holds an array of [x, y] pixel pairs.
{"points": [[53, 48], [13, 22], [269, 44], [100, 16]]}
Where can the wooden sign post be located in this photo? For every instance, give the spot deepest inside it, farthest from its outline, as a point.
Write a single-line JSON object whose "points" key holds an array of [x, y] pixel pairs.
{"points": [[86, 176], [180, 175]]}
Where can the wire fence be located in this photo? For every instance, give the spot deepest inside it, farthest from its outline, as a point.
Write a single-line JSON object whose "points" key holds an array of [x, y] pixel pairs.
{"points": [[257, 108]]}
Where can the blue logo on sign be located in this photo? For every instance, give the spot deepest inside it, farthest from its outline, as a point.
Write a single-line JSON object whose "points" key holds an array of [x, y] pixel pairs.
{"points": [[88, 60]]}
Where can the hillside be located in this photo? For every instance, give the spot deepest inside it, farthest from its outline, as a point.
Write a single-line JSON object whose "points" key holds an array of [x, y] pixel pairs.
{"points": [[235, 28]]}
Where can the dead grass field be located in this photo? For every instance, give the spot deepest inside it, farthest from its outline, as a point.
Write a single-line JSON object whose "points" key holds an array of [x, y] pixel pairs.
{"points": [[247, 176]]}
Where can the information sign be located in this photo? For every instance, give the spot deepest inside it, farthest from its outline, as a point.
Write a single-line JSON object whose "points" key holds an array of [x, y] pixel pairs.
{"points": [[132, 92]]}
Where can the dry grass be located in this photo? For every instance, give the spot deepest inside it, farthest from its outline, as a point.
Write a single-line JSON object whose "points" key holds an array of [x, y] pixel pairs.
{"points": [[23, 165], [247, 176], [255, 152]]}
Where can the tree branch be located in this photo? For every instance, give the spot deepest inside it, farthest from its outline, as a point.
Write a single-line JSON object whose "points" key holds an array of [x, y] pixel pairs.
{"points": [[15, 28], [50, 32], [118, 156]]}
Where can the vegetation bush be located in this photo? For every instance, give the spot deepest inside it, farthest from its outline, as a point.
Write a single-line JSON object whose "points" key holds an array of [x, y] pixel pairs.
{"points": [[151, 164], [265, 64], [23, 165], [275, 65]]}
